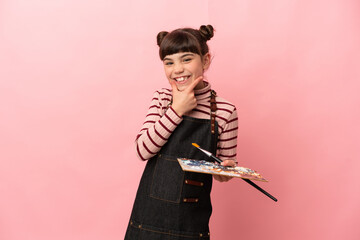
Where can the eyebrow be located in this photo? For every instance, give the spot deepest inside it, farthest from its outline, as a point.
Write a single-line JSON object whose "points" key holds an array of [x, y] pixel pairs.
{"points": [[182, 56], [187, 54]]}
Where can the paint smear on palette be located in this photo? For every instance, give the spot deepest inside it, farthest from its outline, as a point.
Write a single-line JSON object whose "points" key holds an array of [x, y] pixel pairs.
{"points": [[202, 166]]}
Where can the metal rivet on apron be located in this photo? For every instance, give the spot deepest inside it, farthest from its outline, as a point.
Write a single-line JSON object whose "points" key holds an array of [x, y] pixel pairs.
{"points": [[191, 200], [208, 234], [200, 234], [140, 226]]}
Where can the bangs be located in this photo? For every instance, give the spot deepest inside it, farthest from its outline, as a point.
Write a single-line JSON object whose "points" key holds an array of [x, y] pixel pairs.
{"points": [[179, 41]]}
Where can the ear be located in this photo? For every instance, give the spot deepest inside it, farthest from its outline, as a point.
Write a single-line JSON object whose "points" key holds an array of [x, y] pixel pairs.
{"points": [[206, 60]]}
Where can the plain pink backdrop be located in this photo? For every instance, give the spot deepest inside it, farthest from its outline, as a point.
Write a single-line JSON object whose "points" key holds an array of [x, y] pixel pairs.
{"points": [[69, 117]]}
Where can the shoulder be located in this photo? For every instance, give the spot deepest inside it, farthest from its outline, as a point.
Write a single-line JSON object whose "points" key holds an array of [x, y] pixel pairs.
{"points": [[161, 98], [226, 114], [225, 105], [163, 94]]}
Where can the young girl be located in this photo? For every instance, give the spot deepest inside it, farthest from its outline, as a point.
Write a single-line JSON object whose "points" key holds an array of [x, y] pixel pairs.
{"points": [[170, 203]]}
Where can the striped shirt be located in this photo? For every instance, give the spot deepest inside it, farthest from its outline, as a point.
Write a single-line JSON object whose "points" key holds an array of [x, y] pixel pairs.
{"points": [[161, 121]]}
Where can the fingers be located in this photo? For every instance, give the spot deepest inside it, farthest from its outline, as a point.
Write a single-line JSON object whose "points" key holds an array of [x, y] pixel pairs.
{"points": [[226, 179], [194, 83], [229, 163], [222, 178], [173, 86], [217, 178], [189, 88]]}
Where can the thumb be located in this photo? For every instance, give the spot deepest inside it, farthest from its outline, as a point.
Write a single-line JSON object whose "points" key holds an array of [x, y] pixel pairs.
{"points": [[173, 86]]}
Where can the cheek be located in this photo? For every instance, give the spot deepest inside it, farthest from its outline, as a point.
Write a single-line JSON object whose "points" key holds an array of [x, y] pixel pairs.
{"points": [[167, 72], [198, 68]]}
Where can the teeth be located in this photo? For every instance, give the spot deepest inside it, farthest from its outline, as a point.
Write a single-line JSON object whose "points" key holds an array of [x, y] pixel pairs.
{"points": [[180, 79]]}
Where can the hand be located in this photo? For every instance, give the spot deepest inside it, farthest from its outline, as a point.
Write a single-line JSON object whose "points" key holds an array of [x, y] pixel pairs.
{"points": [[184, 101], [230, 163]]}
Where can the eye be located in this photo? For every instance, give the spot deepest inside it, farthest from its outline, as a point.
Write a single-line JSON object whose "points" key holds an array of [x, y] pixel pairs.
{"points": [[168, 63], [187, 59]]}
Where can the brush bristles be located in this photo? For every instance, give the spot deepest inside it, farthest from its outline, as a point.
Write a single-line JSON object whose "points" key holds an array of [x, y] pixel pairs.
{"points": [[194, 144]]}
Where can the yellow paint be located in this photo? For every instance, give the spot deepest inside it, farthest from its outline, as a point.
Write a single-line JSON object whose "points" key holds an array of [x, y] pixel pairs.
{"points": [[194, 144]]}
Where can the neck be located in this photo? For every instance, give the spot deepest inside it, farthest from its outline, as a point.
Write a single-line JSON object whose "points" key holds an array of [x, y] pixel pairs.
{"points": [[201, 85]]}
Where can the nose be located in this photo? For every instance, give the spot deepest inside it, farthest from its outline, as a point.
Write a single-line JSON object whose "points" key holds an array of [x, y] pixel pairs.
{"points": [[178, 68]]}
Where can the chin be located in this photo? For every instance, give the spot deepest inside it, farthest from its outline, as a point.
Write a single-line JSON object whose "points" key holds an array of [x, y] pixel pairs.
{"points": [[181, 87]]}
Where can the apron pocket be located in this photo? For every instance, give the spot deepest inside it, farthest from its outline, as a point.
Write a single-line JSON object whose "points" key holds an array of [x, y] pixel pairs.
{"points": [[167, 180]]}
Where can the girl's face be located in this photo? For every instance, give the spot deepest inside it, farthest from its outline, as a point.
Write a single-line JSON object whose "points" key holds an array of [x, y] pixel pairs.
{"points": [[184, 67]]}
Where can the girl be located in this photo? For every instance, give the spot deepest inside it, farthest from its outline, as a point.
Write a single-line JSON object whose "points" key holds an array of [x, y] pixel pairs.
{"points": [[170, 203]]}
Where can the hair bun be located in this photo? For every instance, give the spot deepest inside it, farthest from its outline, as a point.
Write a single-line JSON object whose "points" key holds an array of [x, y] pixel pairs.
{"points": [[160, 37], [207, 32]]}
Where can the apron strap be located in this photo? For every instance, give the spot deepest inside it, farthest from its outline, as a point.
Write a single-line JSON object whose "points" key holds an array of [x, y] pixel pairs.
{"points": [[213, 109]]}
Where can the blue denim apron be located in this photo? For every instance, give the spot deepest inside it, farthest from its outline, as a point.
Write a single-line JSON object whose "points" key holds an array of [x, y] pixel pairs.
{"points": [[172, 204]]}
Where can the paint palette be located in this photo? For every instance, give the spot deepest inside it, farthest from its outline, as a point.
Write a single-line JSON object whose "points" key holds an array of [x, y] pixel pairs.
{"points": [[202, 166]]}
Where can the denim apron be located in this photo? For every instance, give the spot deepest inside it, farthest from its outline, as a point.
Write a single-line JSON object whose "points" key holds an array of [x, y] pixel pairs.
{"points": [[172, 204]]}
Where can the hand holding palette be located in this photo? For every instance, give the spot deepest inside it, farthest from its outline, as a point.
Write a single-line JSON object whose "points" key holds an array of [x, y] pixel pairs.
{"points": [[203, 166]]}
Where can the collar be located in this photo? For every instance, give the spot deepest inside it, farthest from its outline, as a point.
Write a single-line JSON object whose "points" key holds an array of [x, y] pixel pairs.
{"points": [[204, 92]]}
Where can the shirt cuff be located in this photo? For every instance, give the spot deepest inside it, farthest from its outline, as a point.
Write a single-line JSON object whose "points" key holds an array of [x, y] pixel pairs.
{"points": [[173, 115]]}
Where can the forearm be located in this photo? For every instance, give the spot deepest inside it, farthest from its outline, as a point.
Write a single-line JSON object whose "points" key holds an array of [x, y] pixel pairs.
{"points": [[155, 132]]}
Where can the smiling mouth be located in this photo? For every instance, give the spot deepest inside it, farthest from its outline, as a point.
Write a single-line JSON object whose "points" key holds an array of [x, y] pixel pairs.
{"points": [[181, 79]]}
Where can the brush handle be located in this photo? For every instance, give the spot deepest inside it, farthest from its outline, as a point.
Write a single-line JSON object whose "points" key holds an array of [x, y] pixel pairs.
{"points": [[260, 189], [248, 181], [216, 159]]}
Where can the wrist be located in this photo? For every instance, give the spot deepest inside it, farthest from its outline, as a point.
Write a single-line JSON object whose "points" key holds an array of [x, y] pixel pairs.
{"points": [[177, 110]]}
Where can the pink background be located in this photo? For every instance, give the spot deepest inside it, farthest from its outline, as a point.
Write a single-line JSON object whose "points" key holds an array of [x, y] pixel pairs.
{"points": [[68, 70]]}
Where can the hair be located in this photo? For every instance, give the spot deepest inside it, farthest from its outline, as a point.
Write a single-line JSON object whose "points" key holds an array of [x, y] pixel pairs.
{"points": [[185, 40]]}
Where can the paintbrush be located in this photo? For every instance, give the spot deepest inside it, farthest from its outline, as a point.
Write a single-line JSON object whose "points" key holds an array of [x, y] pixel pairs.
{"points": [[209, 154]]}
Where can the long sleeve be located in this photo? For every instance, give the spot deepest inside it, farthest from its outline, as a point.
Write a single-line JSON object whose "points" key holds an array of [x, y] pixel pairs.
{"points": [[227, 144], [159, 124]]}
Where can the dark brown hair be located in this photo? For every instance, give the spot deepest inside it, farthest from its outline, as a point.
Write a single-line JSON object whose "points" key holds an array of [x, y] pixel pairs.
{"points": [[185, 40]]}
